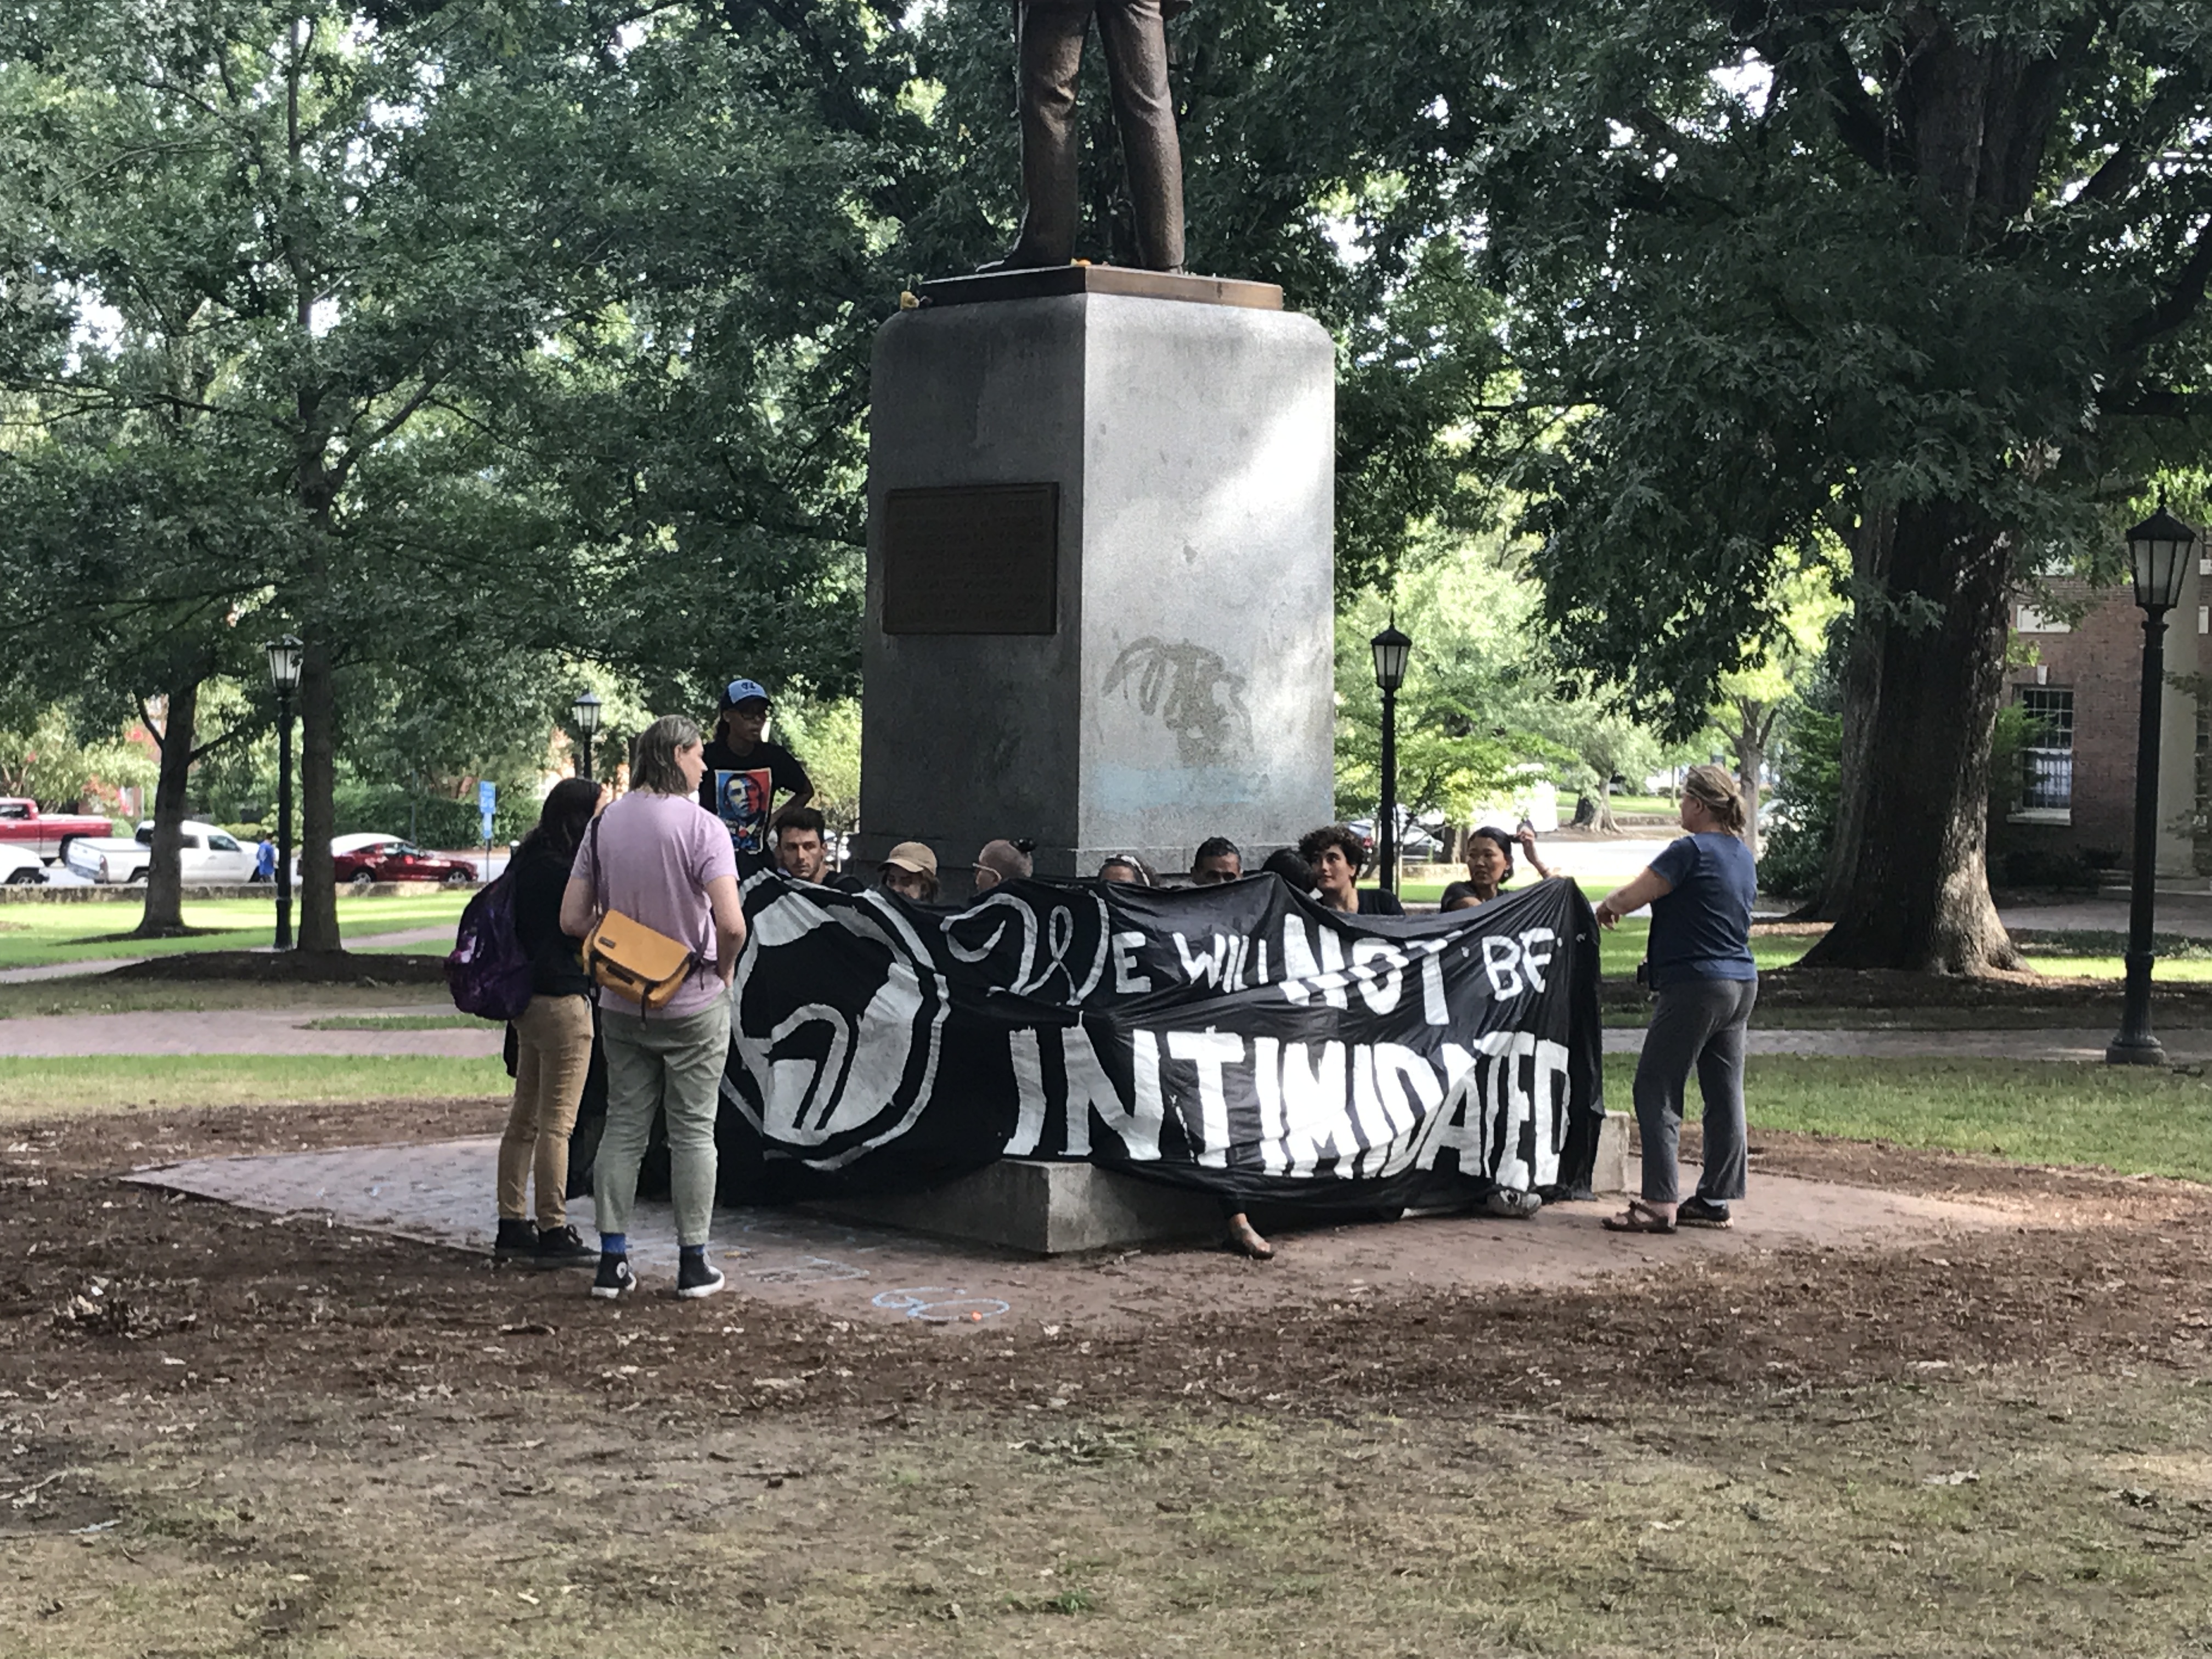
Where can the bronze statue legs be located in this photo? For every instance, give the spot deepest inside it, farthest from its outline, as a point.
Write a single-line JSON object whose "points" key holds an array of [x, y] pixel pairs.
{"points": [[1051, 56]]}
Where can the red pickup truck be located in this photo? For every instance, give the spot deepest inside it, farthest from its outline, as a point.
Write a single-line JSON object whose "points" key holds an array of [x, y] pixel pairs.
{"points": [[22, 824]]}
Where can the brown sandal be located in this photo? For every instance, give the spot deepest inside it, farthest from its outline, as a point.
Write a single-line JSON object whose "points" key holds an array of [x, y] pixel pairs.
{"points": [[1639, 1217]]}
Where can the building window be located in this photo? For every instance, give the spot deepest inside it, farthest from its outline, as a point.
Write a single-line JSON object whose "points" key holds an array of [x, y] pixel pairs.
{"points": [[2047, 783], [2026, 619]]}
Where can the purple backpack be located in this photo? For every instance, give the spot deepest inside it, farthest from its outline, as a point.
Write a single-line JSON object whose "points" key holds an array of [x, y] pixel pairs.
{"points": [[488, 972]]}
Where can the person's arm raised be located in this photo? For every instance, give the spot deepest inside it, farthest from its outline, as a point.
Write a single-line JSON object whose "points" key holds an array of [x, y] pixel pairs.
{"points": [[1527, 840], [729, 924], [1649, 885]]}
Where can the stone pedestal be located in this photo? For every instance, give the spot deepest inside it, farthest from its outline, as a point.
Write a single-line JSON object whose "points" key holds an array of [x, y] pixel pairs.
{"points": [[1043, 1207], [1100, 571]]}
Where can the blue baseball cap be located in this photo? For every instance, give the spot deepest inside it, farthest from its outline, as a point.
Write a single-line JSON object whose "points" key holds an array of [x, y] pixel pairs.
{"points": [[743, 691]]}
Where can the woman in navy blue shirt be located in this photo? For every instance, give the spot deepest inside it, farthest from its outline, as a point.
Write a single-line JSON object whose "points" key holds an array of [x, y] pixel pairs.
{"points": [[1700, 890]]}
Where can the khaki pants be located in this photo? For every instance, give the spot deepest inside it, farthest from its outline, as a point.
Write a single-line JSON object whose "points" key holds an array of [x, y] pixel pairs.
{"points": [[553, 1055], [673, 1066]]}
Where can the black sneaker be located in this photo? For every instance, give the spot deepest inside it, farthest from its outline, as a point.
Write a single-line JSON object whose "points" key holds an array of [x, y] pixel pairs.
{"points": [[1701, 1213], [696, 1277], [615, 1277], [559, 1247], [517, 1241]]}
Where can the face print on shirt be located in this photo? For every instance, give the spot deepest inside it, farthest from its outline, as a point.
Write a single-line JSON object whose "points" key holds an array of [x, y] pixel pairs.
{"points": [[741, 801]]}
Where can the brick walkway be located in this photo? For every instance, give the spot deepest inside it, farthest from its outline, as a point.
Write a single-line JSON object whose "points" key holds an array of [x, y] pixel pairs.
{"points": [[442, 1193]]}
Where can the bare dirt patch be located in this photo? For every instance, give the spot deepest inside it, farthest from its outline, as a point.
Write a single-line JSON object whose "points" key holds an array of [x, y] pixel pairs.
{"points": [[243, 1301], [299, 1439]]}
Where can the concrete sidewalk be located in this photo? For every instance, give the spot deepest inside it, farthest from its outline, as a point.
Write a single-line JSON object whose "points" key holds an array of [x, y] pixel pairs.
{"points": [[285, 1031], [239, 1031], [2182, 1046]]}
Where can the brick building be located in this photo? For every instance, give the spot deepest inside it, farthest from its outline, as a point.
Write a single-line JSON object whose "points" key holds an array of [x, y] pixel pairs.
{"points": [[2075, 792]]}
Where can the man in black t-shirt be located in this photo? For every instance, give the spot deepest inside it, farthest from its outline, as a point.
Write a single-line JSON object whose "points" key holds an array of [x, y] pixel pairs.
{"points": [[745, 774]]}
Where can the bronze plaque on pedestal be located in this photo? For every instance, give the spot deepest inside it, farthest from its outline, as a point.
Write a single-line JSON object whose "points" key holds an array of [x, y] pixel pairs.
{"points": [[975, 559]]}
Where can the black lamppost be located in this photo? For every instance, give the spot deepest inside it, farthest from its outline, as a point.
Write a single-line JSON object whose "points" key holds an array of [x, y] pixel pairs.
{"points": [[284, 656], [1391, 649], [2158, 550], [585, 711]]}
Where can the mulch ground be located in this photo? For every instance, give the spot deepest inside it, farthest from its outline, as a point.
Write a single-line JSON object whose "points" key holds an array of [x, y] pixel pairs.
{"points": [[291, 967], [200, 1298]]}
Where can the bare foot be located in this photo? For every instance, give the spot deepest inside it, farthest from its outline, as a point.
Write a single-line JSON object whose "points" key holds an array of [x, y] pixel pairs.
{"points": [[1241, 1236]]}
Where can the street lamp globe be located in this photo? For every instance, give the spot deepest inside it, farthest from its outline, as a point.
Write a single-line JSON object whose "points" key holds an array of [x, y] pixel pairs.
{"points": [[284, 656], [585, 709], [2158, 554], [1391, 648]]}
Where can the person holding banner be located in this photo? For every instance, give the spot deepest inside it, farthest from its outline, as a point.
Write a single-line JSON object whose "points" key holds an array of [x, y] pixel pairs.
{"points": [[1002, 861], [1490, 866], [1700, 890], [909, 870], [1216, 861], [1337, 857]]}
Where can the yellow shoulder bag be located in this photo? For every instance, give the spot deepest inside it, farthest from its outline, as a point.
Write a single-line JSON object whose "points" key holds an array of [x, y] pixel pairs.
{"points": [[624, 956]]}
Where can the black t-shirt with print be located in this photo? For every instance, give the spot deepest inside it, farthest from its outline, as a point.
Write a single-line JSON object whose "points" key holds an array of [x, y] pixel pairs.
{"points": [[741, 791]]}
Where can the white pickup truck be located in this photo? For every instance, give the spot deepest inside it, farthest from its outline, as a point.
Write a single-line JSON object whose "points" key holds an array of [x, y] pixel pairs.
{"points": [[211, 857]]}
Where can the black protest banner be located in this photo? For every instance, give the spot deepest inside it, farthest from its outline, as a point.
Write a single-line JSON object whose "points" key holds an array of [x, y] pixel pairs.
{"points": [[1240, 1039]]}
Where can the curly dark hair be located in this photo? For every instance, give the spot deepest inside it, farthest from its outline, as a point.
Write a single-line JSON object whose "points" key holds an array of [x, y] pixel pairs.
{"points": [[1315, 842]]}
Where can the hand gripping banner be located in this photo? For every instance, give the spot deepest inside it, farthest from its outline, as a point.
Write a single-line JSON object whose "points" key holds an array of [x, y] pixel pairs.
{"points": [[1240, 1039]]}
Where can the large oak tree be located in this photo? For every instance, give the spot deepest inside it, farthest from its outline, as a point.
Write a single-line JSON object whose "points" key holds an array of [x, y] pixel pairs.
{"points": [[1929, 275]]}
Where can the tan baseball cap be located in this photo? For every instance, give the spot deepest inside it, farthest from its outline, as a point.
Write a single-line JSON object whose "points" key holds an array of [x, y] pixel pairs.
{"points": [[913, 855]]}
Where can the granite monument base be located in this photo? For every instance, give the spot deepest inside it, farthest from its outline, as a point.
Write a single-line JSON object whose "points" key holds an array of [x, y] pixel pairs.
{"points": [[1099, 609], [1050, 1208], [1043, 1207]]}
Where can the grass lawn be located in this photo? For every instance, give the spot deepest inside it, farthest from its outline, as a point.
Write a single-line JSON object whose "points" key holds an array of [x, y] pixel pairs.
{"points": [[2135, 1122], [34, 1089], [36, 935]]}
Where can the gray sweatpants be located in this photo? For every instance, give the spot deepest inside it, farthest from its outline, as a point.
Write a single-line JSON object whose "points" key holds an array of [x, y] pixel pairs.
{"points": [[1698, 1021], [671, 1065]]}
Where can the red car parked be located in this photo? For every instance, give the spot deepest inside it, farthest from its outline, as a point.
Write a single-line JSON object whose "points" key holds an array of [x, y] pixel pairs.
{"points": [[396, 860], [46, 834]]}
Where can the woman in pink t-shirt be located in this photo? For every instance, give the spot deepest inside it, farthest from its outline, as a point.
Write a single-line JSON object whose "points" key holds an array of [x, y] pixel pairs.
{"points": [[662, 860]]}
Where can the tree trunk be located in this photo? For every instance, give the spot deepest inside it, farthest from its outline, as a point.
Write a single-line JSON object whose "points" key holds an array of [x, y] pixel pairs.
{"points": [[1907, 884], [318, 891], [164, 917], [1750, 758], [1606, 822], [1754, 725]]}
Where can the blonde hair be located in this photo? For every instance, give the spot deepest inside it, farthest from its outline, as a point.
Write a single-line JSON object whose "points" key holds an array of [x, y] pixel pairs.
{"points": [[1715, 788]]}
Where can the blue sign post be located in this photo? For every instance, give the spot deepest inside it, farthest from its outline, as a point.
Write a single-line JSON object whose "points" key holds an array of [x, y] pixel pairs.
{"points": [[486, 804]]}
